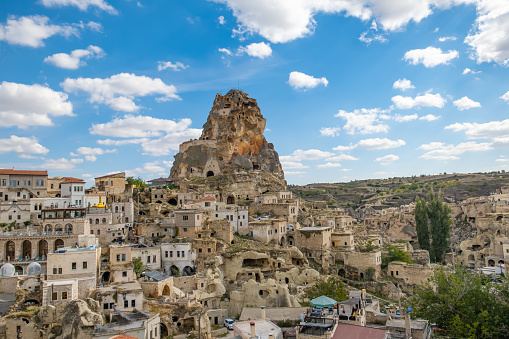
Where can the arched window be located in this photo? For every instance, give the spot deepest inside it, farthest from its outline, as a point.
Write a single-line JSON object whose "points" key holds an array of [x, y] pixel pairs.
{"points": [[10, 252], [59, 228], [97, 221], [58, 243], [104, 221], [48, 228], [68, 229]]}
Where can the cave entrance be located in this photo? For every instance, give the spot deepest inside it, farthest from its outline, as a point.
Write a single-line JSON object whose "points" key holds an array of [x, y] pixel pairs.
{"points": [[210, 174]]}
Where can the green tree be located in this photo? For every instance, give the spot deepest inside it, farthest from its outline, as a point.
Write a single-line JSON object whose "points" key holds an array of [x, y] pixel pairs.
{"points": [[331, 287], [464, 305], [394, 254], [138, 266], [440, 226], [138, 182], [421, 223]]}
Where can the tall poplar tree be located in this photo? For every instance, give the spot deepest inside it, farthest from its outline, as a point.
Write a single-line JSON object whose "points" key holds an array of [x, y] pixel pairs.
{"points": [[440, 226], [421, 223]]}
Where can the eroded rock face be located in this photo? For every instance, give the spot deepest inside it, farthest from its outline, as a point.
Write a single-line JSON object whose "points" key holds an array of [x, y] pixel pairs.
{"points": [[232, 140]]}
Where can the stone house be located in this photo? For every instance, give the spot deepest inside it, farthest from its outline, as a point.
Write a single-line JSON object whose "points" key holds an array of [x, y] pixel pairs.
{"points": [[358, 263], [59, 292], [268, 230], [188, 222], [111, 184], [126, 297], [121, 265], [343, 240], [412, 274], [16, 183], [178, 257], [313, 238], [149, 256]]}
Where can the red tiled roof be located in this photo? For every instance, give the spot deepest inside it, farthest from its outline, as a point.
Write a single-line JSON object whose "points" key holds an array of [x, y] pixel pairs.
{"points": [[75, 180], [208, 198], [122, 336], [22, 172], [358, 332]]}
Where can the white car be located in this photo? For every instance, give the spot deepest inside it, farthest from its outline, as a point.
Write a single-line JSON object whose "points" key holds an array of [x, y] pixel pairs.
{"points": [[228, 323]]}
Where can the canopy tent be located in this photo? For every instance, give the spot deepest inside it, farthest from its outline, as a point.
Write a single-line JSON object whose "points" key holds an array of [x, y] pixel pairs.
{"points": [[323, 301]]}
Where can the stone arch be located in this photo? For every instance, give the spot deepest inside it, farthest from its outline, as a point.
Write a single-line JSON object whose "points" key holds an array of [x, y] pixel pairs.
{"points": [[96, 221], [501, 262], [104, 221], [282, 242], [59, 228], [68, 228], [172, 202], [174, 271], [43, 248], [58, 243], [491, 263], [166, 290], [48, 228], [188, 270], [106, 277], [116, 209], [230, 200], [471, 257], [26, 249], [291, 241], [10, 250], [210, 174], [18, 269], [159, 202], [342, 272], [163, 331]]}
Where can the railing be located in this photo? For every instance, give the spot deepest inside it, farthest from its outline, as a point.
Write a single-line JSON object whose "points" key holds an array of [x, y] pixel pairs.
{"points": [[35, 234]]}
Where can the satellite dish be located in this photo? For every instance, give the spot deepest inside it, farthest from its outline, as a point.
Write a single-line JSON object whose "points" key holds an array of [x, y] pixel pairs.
{"points": [[34, 268], [7, 270]]}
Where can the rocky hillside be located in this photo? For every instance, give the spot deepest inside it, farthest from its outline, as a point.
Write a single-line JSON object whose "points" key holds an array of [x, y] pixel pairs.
{"points": [[399, 191], [232, 140]]}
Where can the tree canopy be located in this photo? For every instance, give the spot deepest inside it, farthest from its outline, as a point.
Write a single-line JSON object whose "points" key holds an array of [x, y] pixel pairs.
{"points": [[433, 224], [138, 182], [394, 254], [464, 305], [331, 287]]}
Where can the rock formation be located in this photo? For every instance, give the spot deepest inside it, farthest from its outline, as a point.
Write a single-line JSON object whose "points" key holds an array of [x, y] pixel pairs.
{"points": [[232, 140]]}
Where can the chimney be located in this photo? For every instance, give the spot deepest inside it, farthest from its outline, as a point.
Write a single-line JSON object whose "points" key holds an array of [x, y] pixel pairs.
{"points": [[263, 312], [253, 332], [408, 325]]}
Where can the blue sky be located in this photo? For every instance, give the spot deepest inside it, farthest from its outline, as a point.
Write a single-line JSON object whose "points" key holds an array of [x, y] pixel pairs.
{"points": [[350, 89]]}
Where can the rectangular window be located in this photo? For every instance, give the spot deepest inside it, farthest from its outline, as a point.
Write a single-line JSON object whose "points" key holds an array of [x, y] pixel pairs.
{"points": [[124, 274], [178, 254], [42, 182], [118, 257], [85, 265], [123, 256], [133, 303], [54, 296], [19, 216], [10, 217], [73, 265], [60, 270], [105, 306], [54, 270], [4, 182], [171, 254], [126, 304], [184, 229], [166, 254], [148, 259], [183, 254], [64, 295], [154, 259]]}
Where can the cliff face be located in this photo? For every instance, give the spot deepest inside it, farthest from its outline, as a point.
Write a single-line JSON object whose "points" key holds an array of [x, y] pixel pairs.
{"points": [[232, 140]]}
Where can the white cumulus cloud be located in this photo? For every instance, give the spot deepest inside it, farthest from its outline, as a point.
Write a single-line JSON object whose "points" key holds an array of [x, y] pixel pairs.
{"points": [[465, 103], [257, 50], [364, 121], [447, 38], [430, 57], [405, 118], [22, 145], [469, 71], [32, 30], [440, 151], [311, 154], [31, 105], [177, 66], [292, 165], [74, 60], [61, 164], [429, 117], [342, 157], [119, 91], [403, 84], [373, 144], [330, 131], [221, 20], [488, 40], [301, 81], [505, 97], [81, 4], [329, 165], [387, 160], [425, 100], [486, 130]]}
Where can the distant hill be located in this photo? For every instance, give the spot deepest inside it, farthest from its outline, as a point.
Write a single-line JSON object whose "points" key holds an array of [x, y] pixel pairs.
{"points": [[399, 191]]}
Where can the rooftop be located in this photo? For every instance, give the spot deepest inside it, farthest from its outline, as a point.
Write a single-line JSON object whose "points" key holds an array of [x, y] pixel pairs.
{"points": [[22, 172]]}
